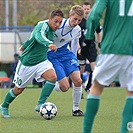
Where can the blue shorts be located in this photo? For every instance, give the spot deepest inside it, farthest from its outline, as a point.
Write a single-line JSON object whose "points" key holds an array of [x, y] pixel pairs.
{"points": [[64, 65]]}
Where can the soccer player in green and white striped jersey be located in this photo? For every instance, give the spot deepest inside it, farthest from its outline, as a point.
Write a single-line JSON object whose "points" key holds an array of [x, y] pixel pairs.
{"points": [[33, 62], [115, 58]]}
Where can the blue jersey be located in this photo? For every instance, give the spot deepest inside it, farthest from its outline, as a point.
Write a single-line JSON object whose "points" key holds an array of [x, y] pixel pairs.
{"points": [[65, 33], [64, 60]]}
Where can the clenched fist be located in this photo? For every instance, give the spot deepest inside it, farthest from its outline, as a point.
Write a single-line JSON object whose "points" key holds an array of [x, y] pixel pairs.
{"points": [[52, 47]]}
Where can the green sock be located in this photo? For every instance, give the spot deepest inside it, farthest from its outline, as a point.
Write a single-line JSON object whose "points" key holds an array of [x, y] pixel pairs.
{"points": [[92, 106], [127, 114], [46, 91], [10, 96]]}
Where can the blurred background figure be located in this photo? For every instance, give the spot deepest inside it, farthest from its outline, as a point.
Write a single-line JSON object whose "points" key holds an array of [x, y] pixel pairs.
{"points": [[13, 69], [88, 52]]}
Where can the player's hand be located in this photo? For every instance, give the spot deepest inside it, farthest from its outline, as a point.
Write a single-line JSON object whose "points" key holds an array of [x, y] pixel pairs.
{"points": [[52, 47], [79, 51], [21, 48]]}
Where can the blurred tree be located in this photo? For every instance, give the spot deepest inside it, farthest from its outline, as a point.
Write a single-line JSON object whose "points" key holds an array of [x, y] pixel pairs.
{"points": [[32, 11]]}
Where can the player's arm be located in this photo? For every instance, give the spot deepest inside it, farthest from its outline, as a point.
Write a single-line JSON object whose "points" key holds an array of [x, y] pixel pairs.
{"points": [[79, 49], [75, 42], [21, 48], [99, 35], [94, 18], [74, 45], [50, 46], [24, 46], [41, 34]]}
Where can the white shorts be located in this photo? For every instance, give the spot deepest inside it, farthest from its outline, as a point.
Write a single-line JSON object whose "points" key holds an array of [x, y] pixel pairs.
{"points": [[25, 74], [110, 66]]}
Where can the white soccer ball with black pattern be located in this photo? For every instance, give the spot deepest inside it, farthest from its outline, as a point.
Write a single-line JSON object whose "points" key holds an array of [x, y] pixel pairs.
{"points": [[48, 110]]}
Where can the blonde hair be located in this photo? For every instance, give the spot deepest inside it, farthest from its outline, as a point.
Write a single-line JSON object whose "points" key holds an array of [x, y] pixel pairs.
{"points": [[77, 9]]}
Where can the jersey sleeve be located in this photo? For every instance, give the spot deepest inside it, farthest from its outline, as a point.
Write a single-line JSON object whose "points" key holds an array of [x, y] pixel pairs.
{"points": [[94, 18], [41, 32], [25, 45], [74, 45]]}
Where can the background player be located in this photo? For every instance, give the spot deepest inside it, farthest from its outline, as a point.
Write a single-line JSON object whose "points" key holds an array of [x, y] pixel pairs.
{"points": [[88, 51], [115, 59]]}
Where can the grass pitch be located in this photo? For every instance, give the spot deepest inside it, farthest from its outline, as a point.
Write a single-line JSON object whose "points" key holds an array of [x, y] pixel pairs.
{"points": [[25, 120]]}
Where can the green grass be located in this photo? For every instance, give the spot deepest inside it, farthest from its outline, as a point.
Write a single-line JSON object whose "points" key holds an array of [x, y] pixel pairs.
{"points": [[25, 120]]}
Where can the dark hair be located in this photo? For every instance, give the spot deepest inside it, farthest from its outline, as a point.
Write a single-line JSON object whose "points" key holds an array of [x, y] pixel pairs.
{"points": [[87, 3], [57, 12], [16, 55]]}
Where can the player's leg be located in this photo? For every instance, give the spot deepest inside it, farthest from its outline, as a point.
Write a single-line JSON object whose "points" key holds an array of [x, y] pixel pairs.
{"points": [[82, 63], [92, 65], [82, 68], [127, 114], [49, 75], [20, 81], [71, 67], [126, 80], [77, 92], [63, 83], [92, 105], [91, 55], [99, 81], [10, 96]]}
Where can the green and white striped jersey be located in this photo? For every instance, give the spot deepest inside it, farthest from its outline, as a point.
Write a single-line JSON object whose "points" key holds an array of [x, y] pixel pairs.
{"points": [[36, 47], [117, 28]]}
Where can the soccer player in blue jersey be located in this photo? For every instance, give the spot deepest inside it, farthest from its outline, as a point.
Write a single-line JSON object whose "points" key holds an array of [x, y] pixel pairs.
{"points": [[115, 58], [64, 60]]}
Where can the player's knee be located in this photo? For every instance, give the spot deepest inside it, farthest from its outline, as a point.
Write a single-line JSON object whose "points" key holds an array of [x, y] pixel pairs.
{"points": [[64, 87], [17, 90], [52, 77], [78, 82]]}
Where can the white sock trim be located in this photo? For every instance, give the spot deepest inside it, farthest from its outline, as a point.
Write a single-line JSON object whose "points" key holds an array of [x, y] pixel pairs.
{"points": [[12, 93], [57, 88]]}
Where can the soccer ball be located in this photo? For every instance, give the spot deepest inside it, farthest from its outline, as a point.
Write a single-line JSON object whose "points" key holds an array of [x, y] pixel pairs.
{"points": [[48, 110]]}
